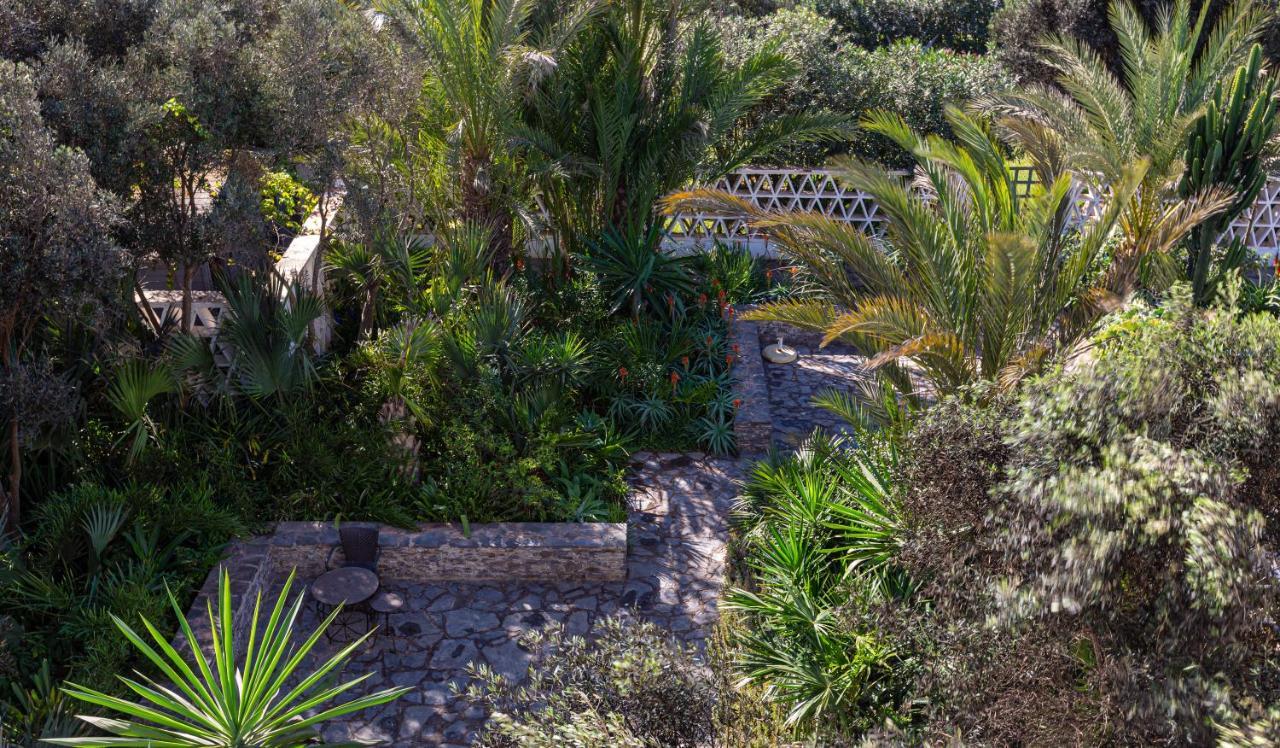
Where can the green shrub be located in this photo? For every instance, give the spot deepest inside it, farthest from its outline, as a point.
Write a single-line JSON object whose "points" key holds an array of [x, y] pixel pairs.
{"points": [[286, 202], [630, 685], [961, 25], [1118, 585], [836, 75]]}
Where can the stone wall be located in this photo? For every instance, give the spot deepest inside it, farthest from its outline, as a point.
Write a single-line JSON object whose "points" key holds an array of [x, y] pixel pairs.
{"points": [[524, 551], [752, 425]]}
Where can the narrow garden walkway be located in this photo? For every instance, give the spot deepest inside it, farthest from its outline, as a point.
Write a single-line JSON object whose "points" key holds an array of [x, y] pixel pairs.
{"points": [[678, 530]]}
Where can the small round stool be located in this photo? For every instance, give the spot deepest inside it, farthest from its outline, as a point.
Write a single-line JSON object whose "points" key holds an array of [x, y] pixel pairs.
{"points": [[385, 603]]}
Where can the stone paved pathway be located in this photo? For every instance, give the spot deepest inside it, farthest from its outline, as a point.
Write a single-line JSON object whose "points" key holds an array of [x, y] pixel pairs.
{"points": [[676, 564], [793, 386]]}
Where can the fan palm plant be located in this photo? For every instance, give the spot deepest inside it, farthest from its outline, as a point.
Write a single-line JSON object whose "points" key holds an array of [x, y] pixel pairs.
{"points": [[482, 57], [971, 280], [1101, 123], [812, 521], [242, 700], [135, 385], [265, 333], [632, 112]]}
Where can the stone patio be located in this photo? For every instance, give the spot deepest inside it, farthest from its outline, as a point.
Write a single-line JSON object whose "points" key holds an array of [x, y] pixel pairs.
{"points": [[793, 386], [678, 530]]}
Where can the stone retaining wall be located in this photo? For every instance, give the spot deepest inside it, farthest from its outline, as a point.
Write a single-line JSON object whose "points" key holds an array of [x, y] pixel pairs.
{"points": [[524, 551], [752, 425], [514, 551]]}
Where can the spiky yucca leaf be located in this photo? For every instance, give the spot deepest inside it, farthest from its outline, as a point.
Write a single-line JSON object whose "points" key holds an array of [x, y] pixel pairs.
{"points": [[241, 698]]}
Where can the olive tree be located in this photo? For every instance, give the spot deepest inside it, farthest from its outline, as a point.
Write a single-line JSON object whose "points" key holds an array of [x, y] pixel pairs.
{"points": [[57, 254]]}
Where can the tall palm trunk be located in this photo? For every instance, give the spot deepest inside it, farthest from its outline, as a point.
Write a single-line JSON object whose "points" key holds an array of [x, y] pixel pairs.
{"points": [[480, 207]]}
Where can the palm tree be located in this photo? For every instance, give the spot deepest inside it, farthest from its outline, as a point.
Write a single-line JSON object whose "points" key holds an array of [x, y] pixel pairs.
{"points": [[482, 56], [642, 103], [970, 281], [1103, 124]]}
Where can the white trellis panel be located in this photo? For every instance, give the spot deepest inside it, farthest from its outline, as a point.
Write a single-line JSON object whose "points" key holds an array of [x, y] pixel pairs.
{"points": [[1260, 225], [820, 191]]}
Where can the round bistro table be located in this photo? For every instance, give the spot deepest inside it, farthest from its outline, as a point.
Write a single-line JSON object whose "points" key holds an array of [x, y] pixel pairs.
{"points": [[350, 587]]}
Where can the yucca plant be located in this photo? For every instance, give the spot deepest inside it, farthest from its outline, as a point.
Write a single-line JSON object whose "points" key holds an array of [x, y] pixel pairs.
{"points": [[637, 273], [970, 280], [1227, 148], [242, 698], [1100, 124]]}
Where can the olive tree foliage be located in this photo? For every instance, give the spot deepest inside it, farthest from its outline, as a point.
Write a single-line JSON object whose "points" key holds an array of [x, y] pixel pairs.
{"points": [[108, 28], [205, 106], [324, 61], [57, 254], [1100, 552]]}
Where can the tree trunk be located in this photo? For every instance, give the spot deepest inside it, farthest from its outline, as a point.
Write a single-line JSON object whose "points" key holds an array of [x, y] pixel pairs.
{"points": [[188, 275], [367, 311], [12, 497], [478, 207], [15, 475]]}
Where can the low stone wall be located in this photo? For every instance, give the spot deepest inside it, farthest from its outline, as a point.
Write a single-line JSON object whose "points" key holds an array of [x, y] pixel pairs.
{"points": [[752, 426], [515, 551], [524, 551]]}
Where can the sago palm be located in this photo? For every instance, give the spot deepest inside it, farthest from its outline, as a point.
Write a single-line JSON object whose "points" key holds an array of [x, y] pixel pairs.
{"points": [[1102, 123], [971, 280]]}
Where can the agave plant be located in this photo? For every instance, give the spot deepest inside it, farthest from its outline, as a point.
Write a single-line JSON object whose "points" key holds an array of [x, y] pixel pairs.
{"points": [[970, 280], [1101, 124], [241, 698]]}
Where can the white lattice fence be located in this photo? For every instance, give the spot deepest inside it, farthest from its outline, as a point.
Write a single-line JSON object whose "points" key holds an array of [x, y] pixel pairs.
{"points": [[819, 191]]}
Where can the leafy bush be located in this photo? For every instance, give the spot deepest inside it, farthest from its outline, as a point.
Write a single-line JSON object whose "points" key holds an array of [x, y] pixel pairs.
{"points": [[1118, 583], [955, 24], [630, 685], [286, 202], [820, 536], [836, 75], [1018, 27]]}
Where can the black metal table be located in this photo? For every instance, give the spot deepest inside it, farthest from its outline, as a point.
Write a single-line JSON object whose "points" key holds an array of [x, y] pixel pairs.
{"points": [[351, 587]]}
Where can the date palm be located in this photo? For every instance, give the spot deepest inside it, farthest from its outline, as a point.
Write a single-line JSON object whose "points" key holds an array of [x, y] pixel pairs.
{"points": [[482, 56], [642, 103], [1103, 123], [971, 280]]}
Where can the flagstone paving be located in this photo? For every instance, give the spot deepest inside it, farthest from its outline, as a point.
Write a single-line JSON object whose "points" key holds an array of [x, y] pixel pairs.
{"points": [[793, 386], [676, 563]]}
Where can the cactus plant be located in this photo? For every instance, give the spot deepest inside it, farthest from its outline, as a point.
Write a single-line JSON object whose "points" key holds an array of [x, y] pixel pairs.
{"points": [[1226, 148]]}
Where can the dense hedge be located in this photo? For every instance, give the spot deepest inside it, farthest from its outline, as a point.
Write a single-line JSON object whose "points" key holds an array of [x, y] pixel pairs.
{"points": [[838, 75]]}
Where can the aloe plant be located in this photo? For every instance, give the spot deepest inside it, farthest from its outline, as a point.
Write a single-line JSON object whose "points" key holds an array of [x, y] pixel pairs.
{"points": [[240, 699], [1227, 148]]}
